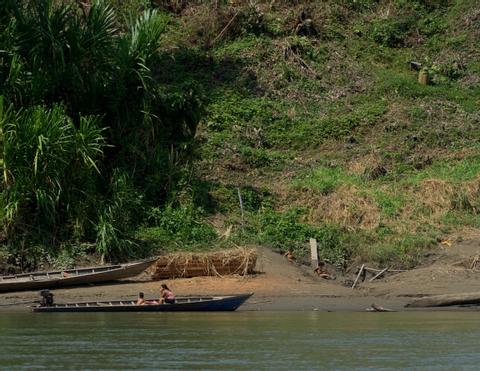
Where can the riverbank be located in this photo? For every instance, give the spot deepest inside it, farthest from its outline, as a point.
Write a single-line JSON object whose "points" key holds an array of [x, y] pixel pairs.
{"points": [[280, 285]]}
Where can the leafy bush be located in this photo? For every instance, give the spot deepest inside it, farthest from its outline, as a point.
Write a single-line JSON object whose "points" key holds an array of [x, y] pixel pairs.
{"points": [[118, 218], [255, 157], [225, 198], [391, 32], [432, 25], [105, 126], [181, 226], [69, 255], [5, 267]]}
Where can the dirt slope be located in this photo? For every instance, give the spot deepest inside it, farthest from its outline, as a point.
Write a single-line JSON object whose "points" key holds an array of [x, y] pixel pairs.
{"points": [[450, 271]]}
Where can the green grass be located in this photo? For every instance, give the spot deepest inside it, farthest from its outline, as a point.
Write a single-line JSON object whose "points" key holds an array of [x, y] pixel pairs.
{"points": [[266, 110], [402, 83], [325, 180], [390, 204], [457, 171], [406, 252]]}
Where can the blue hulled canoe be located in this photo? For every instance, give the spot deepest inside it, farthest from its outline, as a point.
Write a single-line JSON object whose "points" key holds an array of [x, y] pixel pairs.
{"points": [[182, 304]]}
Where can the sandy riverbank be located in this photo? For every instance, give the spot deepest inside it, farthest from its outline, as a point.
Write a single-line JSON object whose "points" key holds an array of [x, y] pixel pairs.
{"points": [[280, 285]]}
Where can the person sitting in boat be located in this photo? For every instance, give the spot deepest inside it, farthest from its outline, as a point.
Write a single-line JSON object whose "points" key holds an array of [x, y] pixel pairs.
{"points": [[141, 298], [166, 295]]}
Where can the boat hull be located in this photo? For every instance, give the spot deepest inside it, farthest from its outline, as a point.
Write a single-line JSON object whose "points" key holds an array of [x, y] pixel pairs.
{"points": [[38, 281], [214, 304]]}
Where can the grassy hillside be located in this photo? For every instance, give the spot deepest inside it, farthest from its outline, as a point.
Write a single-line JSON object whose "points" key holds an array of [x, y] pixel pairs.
{"points": [[313, 113]]}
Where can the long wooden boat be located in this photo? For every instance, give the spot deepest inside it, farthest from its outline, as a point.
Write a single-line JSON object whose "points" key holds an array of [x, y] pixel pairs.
{"points": [[72, 277], [182, 304]]}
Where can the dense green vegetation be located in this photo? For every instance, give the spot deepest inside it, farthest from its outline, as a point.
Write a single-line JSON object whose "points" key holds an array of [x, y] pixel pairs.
{"points": [[134, 126], [90, 138]]}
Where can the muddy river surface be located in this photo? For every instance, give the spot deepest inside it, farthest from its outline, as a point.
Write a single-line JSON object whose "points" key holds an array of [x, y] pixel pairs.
{"points": [[240, 341]]}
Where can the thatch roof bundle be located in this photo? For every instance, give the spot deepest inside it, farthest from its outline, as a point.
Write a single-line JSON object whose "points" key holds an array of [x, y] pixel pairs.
{"points": [[232, 261]]}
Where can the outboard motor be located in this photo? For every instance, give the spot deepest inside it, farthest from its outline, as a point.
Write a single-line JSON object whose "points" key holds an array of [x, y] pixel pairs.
{"points": [[47, 298]]}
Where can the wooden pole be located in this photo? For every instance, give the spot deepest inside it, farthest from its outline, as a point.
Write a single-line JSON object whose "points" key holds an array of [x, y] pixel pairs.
{"points": [[314, 252], [358, 276]]}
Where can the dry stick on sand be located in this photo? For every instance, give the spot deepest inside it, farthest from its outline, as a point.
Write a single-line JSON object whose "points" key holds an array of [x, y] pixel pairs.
{"points": [[378, 275], [358, 276]]}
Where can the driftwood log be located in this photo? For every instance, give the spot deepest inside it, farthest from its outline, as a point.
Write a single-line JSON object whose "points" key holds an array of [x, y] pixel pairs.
{"points": [[445, 300]]}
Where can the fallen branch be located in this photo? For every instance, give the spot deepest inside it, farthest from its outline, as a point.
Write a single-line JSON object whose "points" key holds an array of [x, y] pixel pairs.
{"points": [[225, 28], [378, 275]]}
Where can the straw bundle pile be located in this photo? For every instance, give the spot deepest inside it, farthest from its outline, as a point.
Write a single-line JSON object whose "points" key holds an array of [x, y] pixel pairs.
{"points": [[234, 261]]}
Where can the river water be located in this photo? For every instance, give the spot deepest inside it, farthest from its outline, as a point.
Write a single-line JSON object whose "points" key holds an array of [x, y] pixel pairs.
{"points": [[240, 341]]}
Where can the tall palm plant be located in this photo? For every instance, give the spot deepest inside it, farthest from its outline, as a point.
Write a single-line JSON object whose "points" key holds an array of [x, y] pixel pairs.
{"points": [[81, 100], [69, 53], [45, 160]]}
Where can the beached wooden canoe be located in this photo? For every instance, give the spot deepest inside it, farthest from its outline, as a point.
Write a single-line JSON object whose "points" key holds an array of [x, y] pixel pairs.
{"points": [[182, 304], [72, 277]]}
